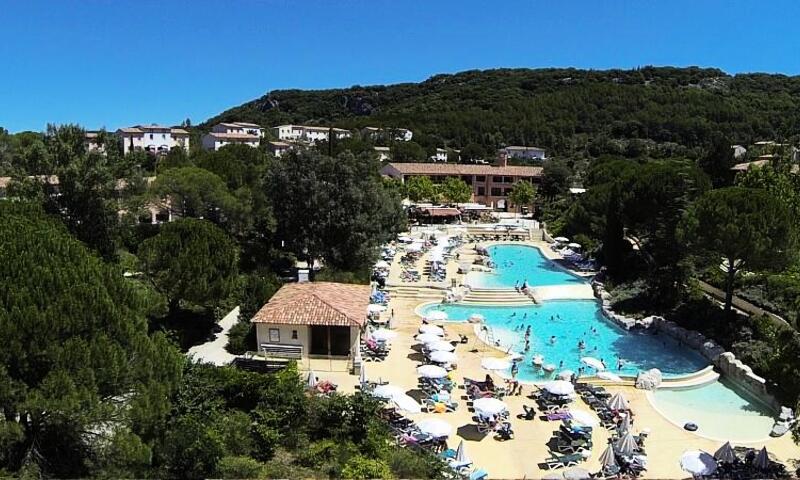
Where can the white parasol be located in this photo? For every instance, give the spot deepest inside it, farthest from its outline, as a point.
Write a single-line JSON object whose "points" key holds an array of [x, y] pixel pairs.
{"points": [[436, 315], [565, 375], [494, 363], [698, 463], [433, 329], [443, 357], [574, 246], [375, 308], [431, 371], [489, 406], [435, 427], [428, 338], [382, 335], [383, 264], [561, 239], [407, 403], [608, 459], [583, 417], [626, 445], [387, 391], [312, 380], [618, 402], [559, 387], [441, 346]]}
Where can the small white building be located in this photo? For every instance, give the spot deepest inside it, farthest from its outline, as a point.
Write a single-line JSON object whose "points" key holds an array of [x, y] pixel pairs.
{"points": [[397, 134], [153, 138], [307, 133], [279, 148], [317, 319], [92, 142], [738, 151], [223, 134], [524, 152], [384, 153], [441, 154]]}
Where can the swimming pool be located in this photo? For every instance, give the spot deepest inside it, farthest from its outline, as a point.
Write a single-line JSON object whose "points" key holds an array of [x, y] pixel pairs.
{"points": [[719, 411], [517, 264], [570, 321]]}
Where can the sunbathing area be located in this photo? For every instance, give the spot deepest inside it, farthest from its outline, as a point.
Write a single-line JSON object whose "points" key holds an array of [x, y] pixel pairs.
{"points": [[539, 390]]}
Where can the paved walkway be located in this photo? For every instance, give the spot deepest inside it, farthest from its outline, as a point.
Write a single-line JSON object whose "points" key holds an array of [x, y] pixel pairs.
{"points": [[214, 351]]}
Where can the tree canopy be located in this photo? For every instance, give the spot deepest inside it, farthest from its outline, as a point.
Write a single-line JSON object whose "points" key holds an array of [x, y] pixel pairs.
{"points": [[191, 260], [455, 190], [81, 379]]}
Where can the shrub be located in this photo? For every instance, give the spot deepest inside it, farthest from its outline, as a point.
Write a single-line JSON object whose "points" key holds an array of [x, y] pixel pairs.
{"points": [[241, 338], [359, 467], [239, 467]]}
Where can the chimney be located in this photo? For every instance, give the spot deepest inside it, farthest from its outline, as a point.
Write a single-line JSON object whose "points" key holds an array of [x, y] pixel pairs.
{"points": [[502, 158]]}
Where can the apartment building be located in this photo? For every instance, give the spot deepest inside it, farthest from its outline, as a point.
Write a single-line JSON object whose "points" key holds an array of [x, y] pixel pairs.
{"points": [[153, 138], [529, 153], [308, 134], [229, 133], [396, 134]]}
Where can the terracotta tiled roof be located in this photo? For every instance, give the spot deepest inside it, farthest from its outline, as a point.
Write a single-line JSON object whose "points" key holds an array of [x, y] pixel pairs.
{"points": [[317, 303], [441, 212], [463, 169]]}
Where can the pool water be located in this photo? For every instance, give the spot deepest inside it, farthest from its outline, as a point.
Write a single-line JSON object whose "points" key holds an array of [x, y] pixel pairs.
{"points": [[518, 263], [570, 321], [718, 410]]}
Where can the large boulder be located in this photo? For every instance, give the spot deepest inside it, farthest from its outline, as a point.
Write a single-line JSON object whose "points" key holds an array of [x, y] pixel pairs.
{"points": [[649, 380]]}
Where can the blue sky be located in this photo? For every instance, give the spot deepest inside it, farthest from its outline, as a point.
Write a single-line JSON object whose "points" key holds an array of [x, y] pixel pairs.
{"points": [[114, 63]]}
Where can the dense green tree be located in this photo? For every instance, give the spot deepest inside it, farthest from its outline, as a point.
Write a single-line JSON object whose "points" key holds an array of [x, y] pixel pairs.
{"points": [[747, 228], [407, 152], [197, 193], [522, 194], [77, 363], [555, 178], [455, 190], [191, 260], [473, 151], [420, 188], [337, 209], [65, 143], [717, 162]]}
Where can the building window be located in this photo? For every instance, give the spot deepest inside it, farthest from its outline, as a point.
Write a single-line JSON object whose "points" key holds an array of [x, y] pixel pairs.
{"points": [[508, 179], [294, 334], [480, 178], [274, 335], [497, 179], [481, 191], [151, 136], [506, 192], [495, 192]]}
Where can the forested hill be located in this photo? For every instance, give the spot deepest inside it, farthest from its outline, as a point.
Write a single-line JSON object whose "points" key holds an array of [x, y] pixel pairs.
{"points": [[560, 109]]}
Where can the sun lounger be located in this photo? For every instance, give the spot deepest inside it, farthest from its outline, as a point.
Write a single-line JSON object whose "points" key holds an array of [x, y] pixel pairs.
{"points": [[553, 417], [563, 461], [478, 474], [432, 406]]}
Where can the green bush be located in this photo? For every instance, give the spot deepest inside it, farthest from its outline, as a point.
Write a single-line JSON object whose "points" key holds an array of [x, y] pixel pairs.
{"points": [[360, 467], [239, 467], [241, 338], [406, 463]]}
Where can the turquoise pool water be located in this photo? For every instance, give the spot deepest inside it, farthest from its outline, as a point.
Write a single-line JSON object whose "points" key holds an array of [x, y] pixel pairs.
{"points": [[718, 410], [518, 263], [570, 321]]}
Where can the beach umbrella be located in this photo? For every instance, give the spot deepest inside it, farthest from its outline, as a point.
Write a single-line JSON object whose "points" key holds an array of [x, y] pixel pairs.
{"points": [[626, 445], [476, 318], [761, 461], [561, 239], [405, 239], [698, 463], [493, 363], [574, 246], [461, 454], [489, 406], [414, 247], [565, 375], [382, 335], [382, 264], [362, 375], [608, 459], [435, 427], [431, 371], [618, 402], [593, 362], [583, 417], [725, 454], [559, 387], [443, 357], [434, 329], [375, 308], [436, 315], [312, 380], [428, 338], [387, 391], [576, 474], [441, 346], [612, 377], [406, 403]]}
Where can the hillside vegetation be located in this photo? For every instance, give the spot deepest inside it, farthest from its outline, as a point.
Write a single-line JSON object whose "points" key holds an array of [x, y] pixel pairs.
{"points": [[567, 111]]}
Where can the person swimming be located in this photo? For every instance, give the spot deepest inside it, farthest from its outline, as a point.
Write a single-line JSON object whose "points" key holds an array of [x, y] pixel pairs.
{"points": [[553, 339]]}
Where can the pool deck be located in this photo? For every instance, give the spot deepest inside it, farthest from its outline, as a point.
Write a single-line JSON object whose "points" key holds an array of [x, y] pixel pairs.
{"points": [[519, 457]]}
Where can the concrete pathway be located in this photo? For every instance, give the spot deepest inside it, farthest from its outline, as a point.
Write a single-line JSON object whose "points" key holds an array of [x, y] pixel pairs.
{"points": [[214, 351]]}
